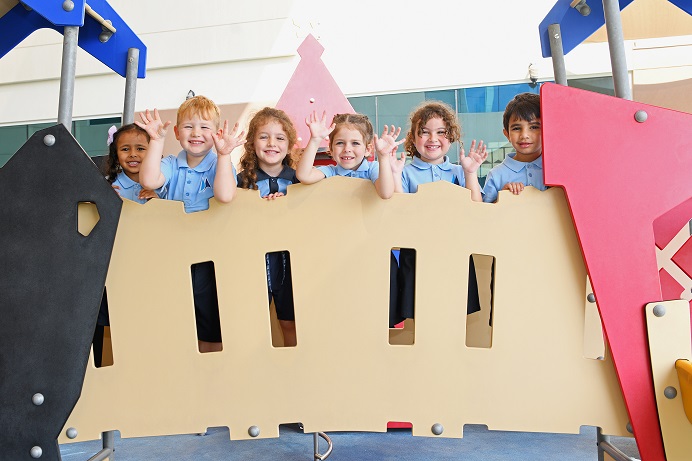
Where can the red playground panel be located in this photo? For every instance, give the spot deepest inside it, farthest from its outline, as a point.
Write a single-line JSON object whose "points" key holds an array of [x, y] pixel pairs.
{"points": [[623, 164]]}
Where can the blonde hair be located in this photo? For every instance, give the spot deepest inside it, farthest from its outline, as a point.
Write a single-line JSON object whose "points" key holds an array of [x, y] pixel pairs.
{"points": [[201, 106], [420, 117]]}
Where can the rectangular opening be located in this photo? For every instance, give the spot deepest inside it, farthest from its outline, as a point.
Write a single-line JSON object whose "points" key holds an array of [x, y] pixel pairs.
{"points": [[101, 343], [206, 303], [280, 295], [402, 296], [480, 301]]}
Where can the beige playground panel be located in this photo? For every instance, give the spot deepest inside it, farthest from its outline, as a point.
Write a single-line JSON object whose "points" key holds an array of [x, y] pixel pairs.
{"points": [[530, 374]]}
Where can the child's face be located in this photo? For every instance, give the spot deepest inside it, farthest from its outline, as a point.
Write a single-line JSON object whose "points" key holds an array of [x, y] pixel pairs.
{"points": [[431, 141], [195, 136], [349, 148], [271, 145], [132, 148], [525, 137]]}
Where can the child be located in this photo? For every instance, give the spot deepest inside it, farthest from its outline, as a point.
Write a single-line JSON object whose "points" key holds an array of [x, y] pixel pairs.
{"points": [[126, 150], [194, 176], [350, 142], [434, 128], [266, 166], [524, 167]]}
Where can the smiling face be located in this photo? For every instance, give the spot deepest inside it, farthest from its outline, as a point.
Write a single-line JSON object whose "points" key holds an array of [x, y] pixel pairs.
{"points": [[131, 148], [195, 135], [271, 147], [431, 141], [525, 137], [349, 148]]}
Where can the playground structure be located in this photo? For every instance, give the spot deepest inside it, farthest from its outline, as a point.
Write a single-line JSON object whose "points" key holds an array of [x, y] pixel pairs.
{"points": [[539, 305]]}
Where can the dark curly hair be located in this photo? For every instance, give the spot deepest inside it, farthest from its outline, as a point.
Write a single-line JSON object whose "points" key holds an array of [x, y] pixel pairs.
{"points": [[524, 106], [249, 163], [112, 166], [421, 115]]}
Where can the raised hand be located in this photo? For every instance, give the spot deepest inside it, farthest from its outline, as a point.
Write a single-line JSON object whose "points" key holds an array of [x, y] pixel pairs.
{"points": [[225, 142], [153, 125], [397, 164], [318, 126], [476, 157], [387, 144]]}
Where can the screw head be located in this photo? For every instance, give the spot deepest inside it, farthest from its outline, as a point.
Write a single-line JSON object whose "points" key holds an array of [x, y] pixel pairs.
{"points": [[437, 429], [312, 100], [68, 5], [71, 433], [556, 36], [670, 392], [36, 452], [49, 140], [659, 310], [37, 399], [629, 428], [591, 298], [641, 116], [253, 431]]}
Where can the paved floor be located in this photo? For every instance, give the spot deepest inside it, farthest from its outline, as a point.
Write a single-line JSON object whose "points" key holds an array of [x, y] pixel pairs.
{"points": [[478, 444]]}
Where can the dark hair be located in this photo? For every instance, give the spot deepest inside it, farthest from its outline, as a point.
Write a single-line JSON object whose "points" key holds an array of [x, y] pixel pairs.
{"points": [[421, 115], [112, 166], [524, 106], [359, 122], [248, 162]]}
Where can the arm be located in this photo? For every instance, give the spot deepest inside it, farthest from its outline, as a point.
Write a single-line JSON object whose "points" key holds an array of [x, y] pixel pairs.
{"points": [[224, 143], [398, 165], [319, 130], [385, 146], [470, 165], [150, 176]]}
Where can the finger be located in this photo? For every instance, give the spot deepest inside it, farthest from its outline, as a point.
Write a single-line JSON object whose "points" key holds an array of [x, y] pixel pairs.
{"points": [[473, 146], [397, 133]]}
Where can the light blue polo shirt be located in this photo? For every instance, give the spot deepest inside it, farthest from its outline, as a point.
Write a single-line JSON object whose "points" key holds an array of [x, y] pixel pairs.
{"points": [[419, 172], [510, 170], [366, 170], [192, 186], [129, 189]]}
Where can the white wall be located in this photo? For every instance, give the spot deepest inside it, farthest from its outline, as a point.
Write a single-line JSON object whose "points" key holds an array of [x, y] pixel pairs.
{"points": [[242, 51]]}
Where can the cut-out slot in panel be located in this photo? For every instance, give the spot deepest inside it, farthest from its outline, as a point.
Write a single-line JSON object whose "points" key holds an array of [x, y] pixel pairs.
{"points": [[280, 294], [87, 217], [480, 301], [101, 344], [402, 296], [206, 303]]}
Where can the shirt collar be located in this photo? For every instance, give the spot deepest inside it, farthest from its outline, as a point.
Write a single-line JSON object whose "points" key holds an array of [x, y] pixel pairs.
{"points": [[205, 165], [421, 165], [364, 166], [287, 174], [125, 180], [517, 166]]}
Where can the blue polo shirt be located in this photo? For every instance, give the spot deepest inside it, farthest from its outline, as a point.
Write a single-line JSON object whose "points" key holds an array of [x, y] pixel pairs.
{"points": [[270, 185], [366, 170], [192, 186], [510, 170], [419, 172], [129, 189]]}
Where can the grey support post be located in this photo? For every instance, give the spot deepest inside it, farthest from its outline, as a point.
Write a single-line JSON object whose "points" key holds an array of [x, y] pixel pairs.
{"points": [[67, 76], [130, 85], [557, 54], [616, 45]]}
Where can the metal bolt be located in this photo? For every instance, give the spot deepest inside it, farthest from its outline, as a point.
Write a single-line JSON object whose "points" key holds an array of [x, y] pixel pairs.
{"points": [[641, 116], [49, 140], [37, 399], [312, 100], [254, 431], [659, 310], [68, 5], [591, 298], [556, 36], [36, 452], [437, 429], [670, 392], [71, 433], [629, 428]]}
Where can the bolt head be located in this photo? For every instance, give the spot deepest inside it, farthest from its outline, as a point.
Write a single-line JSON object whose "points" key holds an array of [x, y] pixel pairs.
{"points": [[36, 452], [437, 429], [670, 392], [68, 5], [659, 310], [37, 399], [556, 36], [49, 140], [71, 433], [591, 298], [629, 428], [641, 116], [253, 431], [312, 100]]}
